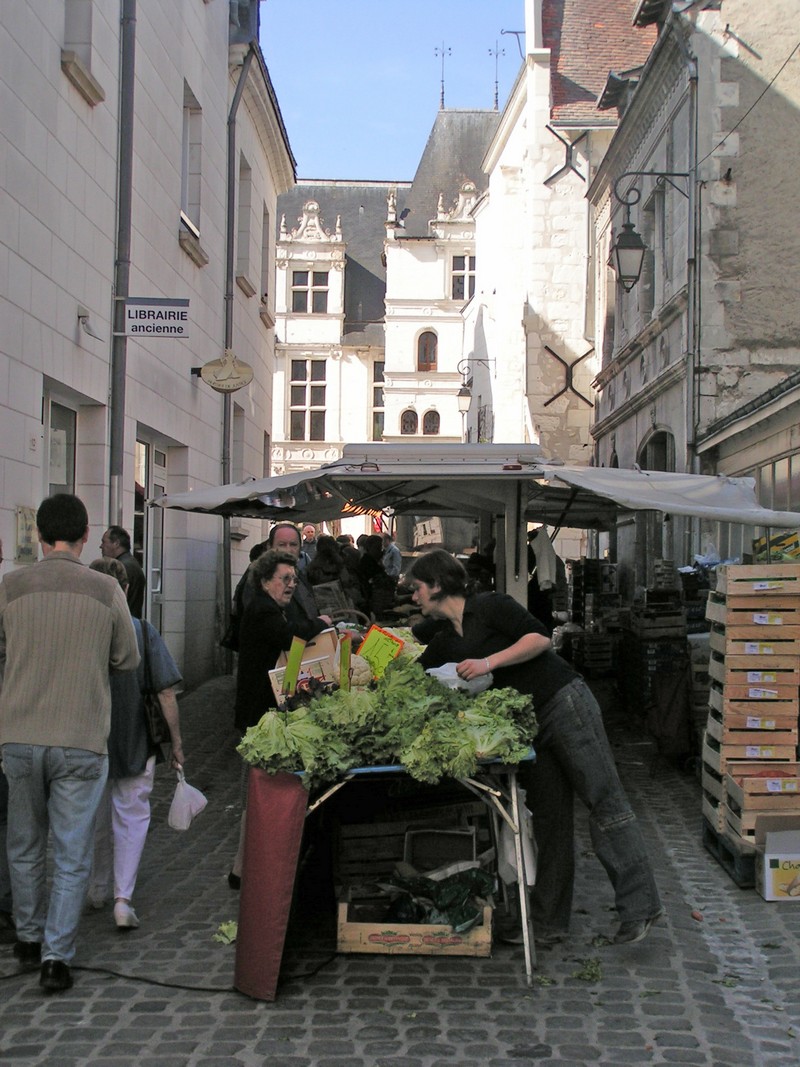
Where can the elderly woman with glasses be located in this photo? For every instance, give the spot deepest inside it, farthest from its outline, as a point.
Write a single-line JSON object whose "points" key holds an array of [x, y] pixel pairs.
{"points": [[265, 631]]}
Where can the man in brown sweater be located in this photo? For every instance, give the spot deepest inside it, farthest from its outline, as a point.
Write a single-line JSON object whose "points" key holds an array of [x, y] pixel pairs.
{"points": [[62, 626]]}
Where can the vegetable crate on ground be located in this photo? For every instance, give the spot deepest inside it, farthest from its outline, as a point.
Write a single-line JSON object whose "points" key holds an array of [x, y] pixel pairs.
{"points": [[752, 729], [361, 928]]}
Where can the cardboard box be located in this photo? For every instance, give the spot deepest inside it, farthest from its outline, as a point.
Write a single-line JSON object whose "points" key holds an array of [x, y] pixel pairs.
{"points": [[778, 862], [319, 661], [364, 931]]}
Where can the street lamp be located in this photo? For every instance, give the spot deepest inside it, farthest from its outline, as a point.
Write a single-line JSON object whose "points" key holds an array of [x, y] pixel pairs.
{"points": [[464, 395], [627, 252]]}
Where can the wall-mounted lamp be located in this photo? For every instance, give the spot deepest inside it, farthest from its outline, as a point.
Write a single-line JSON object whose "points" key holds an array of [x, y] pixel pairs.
{"points": [[86, 323], [627, 252], [464, 399]]}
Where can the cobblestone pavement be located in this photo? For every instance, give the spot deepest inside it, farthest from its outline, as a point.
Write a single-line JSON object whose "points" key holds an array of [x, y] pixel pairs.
{"points": [[722, 990]]}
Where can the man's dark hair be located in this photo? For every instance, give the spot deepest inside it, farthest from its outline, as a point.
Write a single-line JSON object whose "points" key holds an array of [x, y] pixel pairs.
{"points": [[62, 517], [121, 537], [284, 525], [439, 568], [258, 550]]}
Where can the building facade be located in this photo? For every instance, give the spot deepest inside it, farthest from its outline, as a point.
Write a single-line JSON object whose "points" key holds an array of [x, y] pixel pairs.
{"points": [[116, 141], [699, 356]]}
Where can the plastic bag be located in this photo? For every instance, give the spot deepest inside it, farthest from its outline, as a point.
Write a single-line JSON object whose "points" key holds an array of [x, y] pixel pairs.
{"points": [[446, 674], [186, 803]]}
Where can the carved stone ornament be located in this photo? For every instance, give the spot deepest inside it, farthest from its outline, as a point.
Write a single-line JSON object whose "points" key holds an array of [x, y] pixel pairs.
{"points": [[310, 228]]}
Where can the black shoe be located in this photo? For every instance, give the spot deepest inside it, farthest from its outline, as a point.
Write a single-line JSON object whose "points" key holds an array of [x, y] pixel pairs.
{"points": [[234, 881], [55, 976], [29, 953], [636, 930], [8, 931]]}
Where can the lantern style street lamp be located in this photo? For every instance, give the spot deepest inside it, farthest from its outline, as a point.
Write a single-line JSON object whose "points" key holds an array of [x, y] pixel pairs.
{"points": [[627, 252]]}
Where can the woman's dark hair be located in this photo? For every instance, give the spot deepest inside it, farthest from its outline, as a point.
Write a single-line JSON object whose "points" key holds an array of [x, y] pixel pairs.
{"points": [[439, 568], [265, 566], [62, 517], [327, 564]]}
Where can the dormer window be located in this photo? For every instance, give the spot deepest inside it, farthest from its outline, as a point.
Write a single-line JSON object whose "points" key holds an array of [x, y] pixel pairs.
{"points": [[310, 292]]}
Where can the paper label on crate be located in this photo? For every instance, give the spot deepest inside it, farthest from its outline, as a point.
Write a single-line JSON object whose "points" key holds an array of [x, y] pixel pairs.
{"points": [[761, 676], [758, 648], [767, 618], [757, 752], [754, 723], [782, 785], [757, 693], [760, 587]]}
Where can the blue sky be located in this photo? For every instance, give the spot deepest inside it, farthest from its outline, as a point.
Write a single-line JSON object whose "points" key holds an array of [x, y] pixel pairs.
{"points": [[358, 81]]}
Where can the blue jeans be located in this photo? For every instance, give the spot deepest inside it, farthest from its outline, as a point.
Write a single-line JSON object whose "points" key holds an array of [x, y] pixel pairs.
{"points": [[573, 758], [55, 789], [5, 877]]}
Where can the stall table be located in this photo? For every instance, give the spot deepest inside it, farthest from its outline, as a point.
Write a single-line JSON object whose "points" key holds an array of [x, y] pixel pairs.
{"points": [[277, 806]]}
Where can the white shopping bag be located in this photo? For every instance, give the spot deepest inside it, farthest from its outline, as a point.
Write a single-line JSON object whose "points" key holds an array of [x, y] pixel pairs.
{"points": [[186, 803]]}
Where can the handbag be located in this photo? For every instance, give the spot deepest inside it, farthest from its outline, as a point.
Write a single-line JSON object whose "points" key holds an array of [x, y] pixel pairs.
{"points": [[186, 803], [157, 727]]}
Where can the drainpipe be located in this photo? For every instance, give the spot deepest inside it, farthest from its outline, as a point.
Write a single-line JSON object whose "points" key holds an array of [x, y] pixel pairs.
{"points": [[122, 265], [230, 235]]}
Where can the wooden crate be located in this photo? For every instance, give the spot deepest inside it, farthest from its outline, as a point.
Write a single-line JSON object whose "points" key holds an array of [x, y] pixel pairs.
{"points": [[711, 783], [714, 813], [782, 642], [362, 930], [719, 756], [784, 707], [768, 614], [742, 731], [758, 785], [761, 580], [755, 670]]}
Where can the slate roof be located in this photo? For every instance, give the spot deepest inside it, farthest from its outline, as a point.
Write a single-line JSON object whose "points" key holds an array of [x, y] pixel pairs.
{"points": [[362, 208], [588, 39], [454, 152]]}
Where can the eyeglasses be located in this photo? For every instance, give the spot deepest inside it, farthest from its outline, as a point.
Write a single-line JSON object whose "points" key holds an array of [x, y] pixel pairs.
{"points": [[287, 579]]}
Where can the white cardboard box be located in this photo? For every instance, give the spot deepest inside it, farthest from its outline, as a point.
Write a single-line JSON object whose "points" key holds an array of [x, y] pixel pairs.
{"points": [[778, 862]]}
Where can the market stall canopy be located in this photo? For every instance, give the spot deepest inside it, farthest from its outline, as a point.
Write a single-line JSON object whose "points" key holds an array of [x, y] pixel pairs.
{"points": [[474, 480]]}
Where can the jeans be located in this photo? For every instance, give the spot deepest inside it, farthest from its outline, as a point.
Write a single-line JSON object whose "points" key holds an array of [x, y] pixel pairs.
{"points": [[57, 789], [123, 819], [5, 876], [573, 758]]}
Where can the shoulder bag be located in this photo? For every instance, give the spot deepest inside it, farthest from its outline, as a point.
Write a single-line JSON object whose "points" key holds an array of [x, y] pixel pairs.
{"points": [[157, 727]]}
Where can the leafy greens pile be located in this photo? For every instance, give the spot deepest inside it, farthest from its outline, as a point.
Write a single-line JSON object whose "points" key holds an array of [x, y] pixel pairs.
{"points": [[407, 718]]}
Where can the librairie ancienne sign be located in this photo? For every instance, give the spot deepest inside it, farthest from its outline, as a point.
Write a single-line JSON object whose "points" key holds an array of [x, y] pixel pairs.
{"points": [[153, 316]]}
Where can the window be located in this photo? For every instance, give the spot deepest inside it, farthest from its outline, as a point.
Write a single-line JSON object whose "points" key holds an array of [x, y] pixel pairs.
{"points": [[265, 262], [307, 400], [408, 422], [61, 431], [426, 352], [463, 277], [310, 292], [430, 423], [76, 55], [243, 227], [377, 400], [191, 160]]}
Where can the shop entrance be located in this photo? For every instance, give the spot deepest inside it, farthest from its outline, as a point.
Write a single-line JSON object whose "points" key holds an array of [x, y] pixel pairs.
{"points": [[150, 463]]}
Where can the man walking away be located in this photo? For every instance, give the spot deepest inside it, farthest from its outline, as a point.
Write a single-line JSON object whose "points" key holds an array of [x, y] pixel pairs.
{"points": [[116, 544], [62, 627]]}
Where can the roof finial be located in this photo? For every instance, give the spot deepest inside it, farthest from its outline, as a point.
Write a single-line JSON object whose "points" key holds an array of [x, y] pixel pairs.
{"points": [[496, 52], [442, 51]]}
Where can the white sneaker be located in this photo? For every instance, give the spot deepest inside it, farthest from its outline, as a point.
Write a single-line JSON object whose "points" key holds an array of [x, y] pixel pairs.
{"points": [[124, 916]]}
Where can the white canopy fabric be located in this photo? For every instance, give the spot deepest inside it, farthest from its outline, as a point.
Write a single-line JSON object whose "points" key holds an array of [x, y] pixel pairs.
{"points": [[472, 480]]}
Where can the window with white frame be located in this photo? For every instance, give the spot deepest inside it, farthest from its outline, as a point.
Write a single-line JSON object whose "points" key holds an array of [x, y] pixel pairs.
{"points": [[307, 400], [463, 277], [377, 399], [191, 159], [60, 431], [265, 256], [310, 292], [243, 221]]}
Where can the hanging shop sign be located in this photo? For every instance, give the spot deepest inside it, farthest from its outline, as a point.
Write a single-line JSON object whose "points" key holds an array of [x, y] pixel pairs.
{"points": [[226, 375]]}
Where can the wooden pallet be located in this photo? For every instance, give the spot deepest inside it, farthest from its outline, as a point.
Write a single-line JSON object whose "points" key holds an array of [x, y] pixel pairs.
{"points": [[738, 858]]}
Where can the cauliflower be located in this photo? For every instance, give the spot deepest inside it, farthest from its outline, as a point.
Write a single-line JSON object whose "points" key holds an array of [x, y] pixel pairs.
{"points": [[360, 671]]}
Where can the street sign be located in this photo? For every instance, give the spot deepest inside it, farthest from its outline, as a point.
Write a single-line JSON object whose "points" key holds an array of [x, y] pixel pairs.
{"points": [[152, 316]]}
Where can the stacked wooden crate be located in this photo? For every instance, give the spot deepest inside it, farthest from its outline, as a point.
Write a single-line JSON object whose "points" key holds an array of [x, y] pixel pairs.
{"points": [[750, 745]]}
